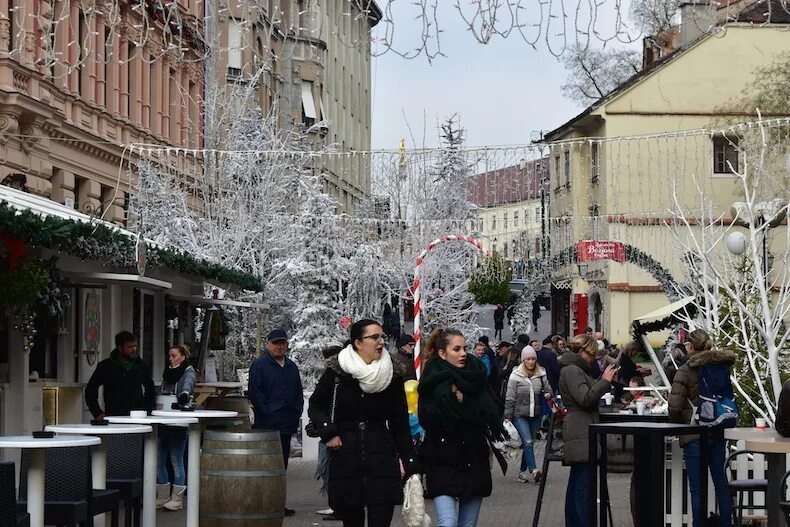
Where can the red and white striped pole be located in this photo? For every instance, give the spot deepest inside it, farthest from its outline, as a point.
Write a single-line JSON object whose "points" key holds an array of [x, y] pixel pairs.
{"points": [[415, 289]]}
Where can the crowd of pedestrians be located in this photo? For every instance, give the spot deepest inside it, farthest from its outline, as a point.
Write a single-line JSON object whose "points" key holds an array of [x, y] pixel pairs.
{"points": [[470, 395]]}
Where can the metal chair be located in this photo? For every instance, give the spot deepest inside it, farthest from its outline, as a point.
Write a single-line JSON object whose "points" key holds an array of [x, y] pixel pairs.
{"points": [[740, 487], [784, 503], [69, 498], [125, 473], [9, 515]]}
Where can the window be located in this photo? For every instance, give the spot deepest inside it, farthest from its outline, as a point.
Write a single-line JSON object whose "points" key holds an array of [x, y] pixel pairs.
{"points": [[506, 250], [493, 224], [557, 168], [526, 217], [725, 155], [308, 104], [234, 48], [504, 220], [595, 165], [515, 218], [566, 167]]}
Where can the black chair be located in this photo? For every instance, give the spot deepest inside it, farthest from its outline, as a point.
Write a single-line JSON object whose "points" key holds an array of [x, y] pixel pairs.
{"points": [[8, 511], [784, 504], [125, 473], [69, 498], [740, 487]]}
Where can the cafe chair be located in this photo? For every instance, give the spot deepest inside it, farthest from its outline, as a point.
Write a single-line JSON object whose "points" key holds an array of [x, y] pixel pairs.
{"points": [[740, 487], [9, 515], [69, 496], [125, 473], [784, 503]]}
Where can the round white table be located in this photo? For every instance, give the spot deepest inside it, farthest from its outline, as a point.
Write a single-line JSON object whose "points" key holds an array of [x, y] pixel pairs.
{"points": [[742, 434], [193, 456], [35, 470], [150, 456], [99, 454], [775, 448]]}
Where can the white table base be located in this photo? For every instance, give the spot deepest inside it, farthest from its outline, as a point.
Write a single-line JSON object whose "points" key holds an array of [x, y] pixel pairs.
{"points": [[193, 475], [99, 475], [149, 477], [35, 487]]}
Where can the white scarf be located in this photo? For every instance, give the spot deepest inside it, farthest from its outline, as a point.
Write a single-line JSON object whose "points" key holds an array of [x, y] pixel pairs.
{"points": [[373, 377]]}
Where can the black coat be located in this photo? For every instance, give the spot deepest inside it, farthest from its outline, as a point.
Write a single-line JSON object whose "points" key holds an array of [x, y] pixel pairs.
{"points": [[125, 389], [374, 429], [455, 463]]}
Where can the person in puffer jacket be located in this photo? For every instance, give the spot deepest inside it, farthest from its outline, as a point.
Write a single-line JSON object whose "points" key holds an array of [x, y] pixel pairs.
{"points": [[526, 387]]}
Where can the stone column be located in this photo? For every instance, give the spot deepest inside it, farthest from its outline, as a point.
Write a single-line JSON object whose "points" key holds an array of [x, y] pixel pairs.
{"points": [[165, 102], [135, 69], [62, 186], [5, 29], [145, 89], [155, 83], [74, 46], [122, 80], [99, 58], [61, 57]]}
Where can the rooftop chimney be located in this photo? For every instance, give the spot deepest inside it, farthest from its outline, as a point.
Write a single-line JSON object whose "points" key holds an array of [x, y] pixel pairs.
{"points": [[696, 18]]}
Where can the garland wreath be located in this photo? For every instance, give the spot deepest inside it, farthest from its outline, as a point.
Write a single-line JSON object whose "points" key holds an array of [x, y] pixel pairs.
{"points": [[90, 241]]}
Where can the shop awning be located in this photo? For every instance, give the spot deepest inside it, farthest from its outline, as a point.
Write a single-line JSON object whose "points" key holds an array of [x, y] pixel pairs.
{"points": [[44, 223], [675, 308], [89, 279], [199, 300]]}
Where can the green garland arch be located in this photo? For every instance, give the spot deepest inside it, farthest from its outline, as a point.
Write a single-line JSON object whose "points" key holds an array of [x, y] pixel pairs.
{"points": [[538, 272], [91, 241]]}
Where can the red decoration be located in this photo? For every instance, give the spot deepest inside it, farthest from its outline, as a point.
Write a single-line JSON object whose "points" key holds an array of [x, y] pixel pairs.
{"points": [[587, 250], [15, 247], [345, 321]]}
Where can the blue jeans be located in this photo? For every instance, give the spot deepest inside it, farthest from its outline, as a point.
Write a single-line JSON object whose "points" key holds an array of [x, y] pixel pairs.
{"points": [[716, 457], [465, 515], [174, 448], [577, 495], [528, 430]]}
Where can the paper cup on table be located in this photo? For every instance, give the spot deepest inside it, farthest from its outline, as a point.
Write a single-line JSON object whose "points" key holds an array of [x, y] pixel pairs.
{"points": [[138, 413], [759, 423], [608, 398], [641, 406]]}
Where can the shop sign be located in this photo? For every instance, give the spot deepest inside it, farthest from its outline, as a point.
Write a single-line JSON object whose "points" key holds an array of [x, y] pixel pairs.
{"points": [[588, 250]]}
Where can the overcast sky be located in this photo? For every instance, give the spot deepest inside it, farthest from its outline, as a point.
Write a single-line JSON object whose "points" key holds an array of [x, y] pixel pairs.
{"points": [[502, 91]]}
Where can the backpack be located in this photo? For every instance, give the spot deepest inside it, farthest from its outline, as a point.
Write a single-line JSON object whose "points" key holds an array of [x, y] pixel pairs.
{"points": [[717, 407]]}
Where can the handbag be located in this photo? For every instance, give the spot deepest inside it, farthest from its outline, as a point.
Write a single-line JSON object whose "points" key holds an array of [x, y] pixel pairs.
{"points": [[545, 407], [310, 429], [413, 509]]}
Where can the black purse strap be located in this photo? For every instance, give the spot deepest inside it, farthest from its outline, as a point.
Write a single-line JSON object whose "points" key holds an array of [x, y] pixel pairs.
{"points": [[334, 401]]}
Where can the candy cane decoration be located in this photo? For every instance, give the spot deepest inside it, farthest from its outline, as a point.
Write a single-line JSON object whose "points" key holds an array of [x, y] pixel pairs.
{"points": [[415, 288]]}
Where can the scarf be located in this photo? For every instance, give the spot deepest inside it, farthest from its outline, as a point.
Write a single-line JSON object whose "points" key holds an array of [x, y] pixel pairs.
{"points": [[477, 412], [172, 375], [373, 377]]}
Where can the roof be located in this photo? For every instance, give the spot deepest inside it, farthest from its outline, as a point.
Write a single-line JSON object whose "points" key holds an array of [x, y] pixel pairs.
{"points": [[760, 12], [45, 223], [511, 184]]}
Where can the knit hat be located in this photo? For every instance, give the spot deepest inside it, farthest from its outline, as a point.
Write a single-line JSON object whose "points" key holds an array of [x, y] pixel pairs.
{"points": [[404, 339], [528, 353]]}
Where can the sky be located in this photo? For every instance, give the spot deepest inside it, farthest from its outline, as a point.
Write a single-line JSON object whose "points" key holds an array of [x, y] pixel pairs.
{"points": [[502, 91]]}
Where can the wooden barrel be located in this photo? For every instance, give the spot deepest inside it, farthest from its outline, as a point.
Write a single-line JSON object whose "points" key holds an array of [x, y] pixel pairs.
{"points": [[242, 479], [236, 403]]}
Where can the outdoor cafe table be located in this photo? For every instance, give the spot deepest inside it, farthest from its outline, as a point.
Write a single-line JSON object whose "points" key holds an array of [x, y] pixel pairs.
{"points": [[775, 448], [35, 470], [649, 457], [150, 457], [193, 457], [99, 453]]}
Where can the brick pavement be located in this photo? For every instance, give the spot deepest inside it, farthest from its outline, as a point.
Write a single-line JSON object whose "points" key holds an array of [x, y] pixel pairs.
{"points": [[511, 505]]}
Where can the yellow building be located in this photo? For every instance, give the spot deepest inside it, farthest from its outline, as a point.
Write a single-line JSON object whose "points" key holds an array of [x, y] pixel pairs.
{"points": [[510, 211], [619, 168]]}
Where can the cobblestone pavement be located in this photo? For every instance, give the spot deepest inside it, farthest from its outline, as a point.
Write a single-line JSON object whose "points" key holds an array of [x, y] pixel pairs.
{"points": [[511, 505]]}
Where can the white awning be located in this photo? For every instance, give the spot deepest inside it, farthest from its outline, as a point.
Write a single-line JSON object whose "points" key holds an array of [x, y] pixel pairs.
{"points": [[664, 312], [88, 279], [307, 100], [199, 300]]}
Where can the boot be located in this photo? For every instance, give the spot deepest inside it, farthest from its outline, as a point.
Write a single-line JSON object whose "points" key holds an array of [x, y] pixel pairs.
{"points": [[176, 502], [162, 495]]}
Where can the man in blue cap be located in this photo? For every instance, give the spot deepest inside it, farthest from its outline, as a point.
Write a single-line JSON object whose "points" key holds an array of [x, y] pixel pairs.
{"points": [[276, 392]]}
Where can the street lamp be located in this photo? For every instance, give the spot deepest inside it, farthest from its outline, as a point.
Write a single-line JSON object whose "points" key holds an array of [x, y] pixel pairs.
{"points": [[765, 213]]}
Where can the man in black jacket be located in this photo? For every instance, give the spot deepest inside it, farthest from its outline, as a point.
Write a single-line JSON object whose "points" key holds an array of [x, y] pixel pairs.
{"points": [[783, 411], [126, 380]]}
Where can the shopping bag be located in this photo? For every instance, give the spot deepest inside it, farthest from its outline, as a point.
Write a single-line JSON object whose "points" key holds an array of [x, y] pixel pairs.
{"points": [[413, 509]]}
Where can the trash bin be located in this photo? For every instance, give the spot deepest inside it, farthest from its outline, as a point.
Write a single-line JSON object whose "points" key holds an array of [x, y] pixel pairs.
{"points": [[242, 479]]}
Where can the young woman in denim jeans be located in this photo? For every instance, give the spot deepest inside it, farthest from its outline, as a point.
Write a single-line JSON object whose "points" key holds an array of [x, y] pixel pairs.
{"points": [[685, 392], [460, 419], [526, 388]]}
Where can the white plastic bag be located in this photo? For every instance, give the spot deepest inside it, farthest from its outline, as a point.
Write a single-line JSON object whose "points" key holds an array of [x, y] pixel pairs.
{"points": [[515, 439], [413, 509]]}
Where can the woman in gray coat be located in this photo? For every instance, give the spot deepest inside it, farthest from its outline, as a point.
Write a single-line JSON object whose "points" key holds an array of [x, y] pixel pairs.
{"points": [[580, 394], [178, 379]]}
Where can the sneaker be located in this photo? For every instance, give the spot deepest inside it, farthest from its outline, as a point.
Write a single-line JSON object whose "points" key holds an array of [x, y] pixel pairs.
{"points": [[325, 512], [523, 476], [289, 512], [536, 475]]}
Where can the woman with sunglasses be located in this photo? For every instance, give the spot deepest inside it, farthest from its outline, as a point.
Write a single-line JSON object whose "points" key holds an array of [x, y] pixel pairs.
{"points": [[359, 410]]}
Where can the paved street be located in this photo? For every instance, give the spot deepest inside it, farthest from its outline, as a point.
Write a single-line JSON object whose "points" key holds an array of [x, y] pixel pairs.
{"points": [[511, 505]]}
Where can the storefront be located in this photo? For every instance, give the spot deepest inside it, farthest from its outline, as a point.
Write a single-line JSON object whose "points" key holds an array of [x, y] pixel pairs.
{"points": [[68, 283]]}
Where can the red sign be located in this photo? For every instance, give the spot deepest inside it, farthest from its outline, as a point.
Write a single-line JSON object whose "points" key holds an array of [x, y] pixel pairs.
{"points": [[597, 250], [345, 321]]}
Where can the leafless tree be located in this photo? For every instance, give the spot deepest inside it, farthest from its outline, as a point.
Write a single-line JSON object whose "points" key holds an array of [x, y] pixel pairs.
{"points": [[593, 73]]}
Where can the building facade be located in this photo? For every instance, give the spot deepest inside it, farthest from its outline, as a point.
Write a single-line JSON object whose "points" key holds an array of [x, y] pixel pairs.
{"points": [[310, 64], [620, 168], [509, 215]]}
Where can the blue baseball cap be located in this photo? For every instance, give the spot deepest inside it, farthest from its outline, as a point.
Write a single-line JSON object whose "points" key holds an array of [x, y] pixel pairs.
{"points": [[276, 335]]}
